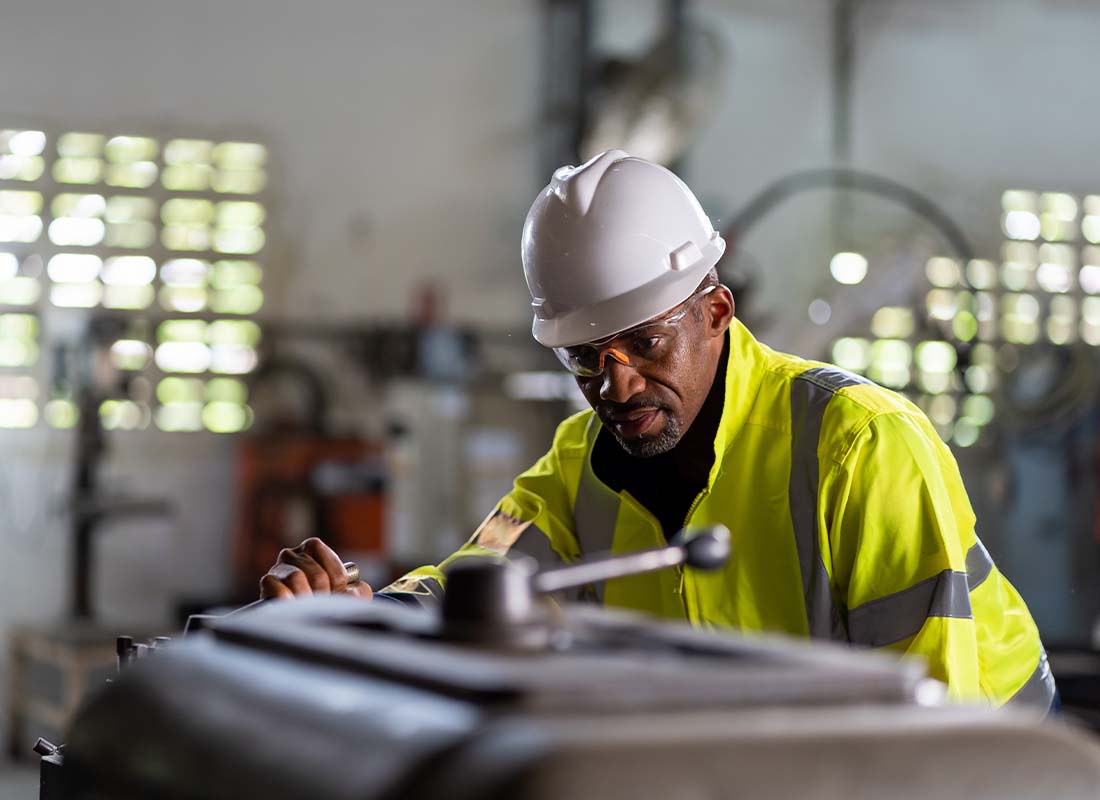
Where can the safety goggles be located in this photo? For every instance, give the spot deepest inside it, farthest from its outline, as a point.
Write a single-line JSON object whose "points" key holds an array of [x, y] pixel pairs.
{"points": [[648, 343]]}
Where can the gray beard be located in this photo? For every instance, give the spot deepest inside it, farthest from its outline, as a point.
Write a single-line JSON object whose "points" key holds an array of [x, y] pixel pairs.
{"points": [[664, 441]]}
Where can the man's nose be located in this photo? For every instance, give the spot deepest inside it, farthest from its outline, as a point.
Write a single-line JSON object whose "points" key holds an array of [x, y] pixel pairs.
{"points": [[620, 382]]}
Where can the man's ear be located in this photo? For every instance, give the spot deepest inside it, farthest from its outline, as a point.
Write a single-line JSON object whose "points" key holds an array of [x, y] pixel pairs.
{"points": [[720, 311]]}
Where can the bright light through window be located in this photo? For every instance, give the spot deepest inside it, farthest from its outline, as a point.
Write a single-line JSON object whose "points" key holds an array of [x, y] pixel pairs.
{"points": [[140, 225]]}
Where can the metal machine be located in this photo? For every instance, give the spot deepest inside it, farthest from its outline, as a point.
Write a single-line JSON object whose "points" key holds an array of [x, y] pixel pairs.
{"points": [[502, 692]]}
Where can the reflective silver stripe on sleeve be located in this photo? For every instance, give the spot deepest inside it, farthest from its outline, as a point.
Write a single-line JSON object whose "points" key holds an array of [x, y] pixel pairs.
{"points": [[810, 394], [534, 543], [898, 616], [978, 564], [422, 590], [596, 509], [1038, 691]]}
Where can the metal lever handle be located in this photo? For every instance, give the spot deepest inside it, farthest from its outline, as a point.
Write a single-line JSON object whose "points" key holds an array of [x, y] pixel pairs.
{"points": [[702, 548], [350, 567], [197, 622]]}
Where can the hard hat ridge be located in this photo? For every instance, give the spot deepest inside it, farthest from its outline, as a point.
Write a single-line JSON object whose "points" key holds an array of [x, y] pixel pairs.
{"points": [[610, 244], [576, 186]]}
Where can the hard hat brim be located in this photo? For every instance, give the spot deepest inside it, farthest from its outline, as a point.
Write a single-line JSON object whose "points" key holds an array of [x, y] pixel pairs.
{"points": [[628, 310]]}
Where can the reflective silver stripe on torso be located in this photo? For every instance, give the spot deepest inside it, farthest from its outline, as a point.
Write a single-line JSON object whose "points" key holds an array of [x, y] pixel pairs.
{"points": [[898, 616], [810, 394], [1038, 691], [596, 509]]}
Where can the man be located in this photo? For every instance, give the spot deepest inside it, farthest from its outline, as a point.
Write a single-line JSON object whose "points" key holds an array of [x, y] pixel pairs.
{"points": [[848, 517]]}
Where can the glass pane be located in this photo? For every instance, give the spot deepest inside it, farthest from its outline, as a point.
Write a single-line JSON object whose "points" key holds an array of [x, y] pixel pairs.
{"points": [[20, 291], [1062, 206], [22, 142], [78, 170], [77, 219], [892, 322], [128, 297], [137, 175], [180, 417], [128, 149], [239, 181], [233, 332], [186, 237], [981, 274], [124, 208], [182, 330], [943, 272], [20, 204], [231, 274], [226, 390], [74, 267], [74, 231], [186, 177], [61, 414], [129, 270], [18, 340], [183, 357], [241, 300], [852, 354], [179, 390], [188, 163], [131, 353], [245, 241], [239, 155], [229, 360], [21, 168], [186, 224], [239, 214], [76, 295], [80, 144], [84, 206], [124, 415], [19, 220], [186, 299], [188, 151], [185, 272], [222, 417], [129, 221], [131, 235], [184, 210]]}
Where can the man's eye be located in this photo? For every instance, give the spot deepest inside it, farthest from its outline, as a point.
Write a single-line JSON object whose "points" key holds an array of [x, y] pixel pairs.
{"points": [[645, 344]]}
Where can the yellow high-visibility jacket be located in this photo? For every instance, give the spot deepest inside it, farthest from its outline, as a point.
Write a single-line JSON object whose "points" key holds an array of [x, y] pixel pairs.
{"points": [[848, 517]]}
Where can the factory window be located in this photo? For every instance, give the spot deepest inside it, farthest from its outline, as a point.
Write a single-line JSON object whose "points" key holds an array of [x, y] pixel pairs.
{"points": [[165, 233], [974, 320]]}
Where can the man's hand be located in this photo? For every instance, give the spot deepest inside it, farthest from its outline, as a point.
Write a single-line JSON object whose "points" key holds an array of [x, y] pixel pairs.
{"points": [[310, 568]]}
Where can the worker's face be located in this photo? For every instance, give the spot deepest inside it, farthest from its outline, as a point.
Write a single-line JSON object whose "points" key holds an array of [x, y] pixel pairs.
{"points": [[650, 405]]}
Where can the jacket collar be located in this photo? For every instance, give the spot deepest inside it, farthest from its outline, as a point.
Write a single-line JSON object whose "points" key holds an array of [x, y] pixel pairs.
{"points": [[744, 370]]}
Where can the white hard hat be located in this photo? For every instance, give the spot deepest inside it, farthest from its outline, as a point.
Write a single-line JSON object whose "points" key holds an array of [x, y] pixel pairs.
{"points": [[610, 244]]}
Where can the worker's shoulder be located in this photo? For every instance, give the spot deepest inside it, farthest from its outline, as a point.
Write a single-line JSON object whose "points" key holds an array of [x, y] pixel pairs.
{"points": [[849, 403]]}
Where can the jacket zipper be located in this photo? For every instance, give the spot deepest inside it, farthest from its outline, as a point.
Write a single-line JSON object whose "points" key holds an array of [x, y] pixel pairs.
{"points": [[681, 590]]}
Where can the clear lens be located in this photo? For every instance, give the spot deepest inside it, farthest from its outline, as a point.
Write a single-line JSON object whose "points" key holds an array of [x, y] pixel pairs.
{"points": [[581, 360], [648, 342]]}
